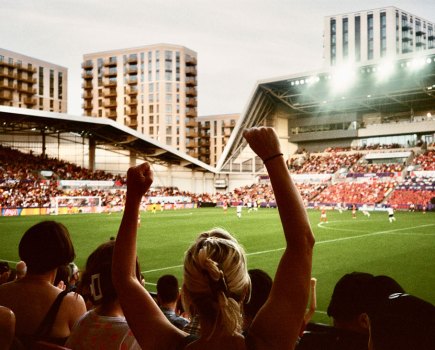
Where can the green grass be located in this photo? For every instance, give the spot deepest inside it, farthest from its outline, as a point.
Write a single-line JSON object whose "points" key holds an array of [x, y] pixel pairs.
{"points": [[404, 249]]}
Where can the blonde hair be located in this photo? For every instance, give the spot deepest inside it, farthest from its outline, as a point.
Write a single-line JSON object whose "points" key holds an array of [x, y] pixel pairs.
{"points": [[216, 280]]}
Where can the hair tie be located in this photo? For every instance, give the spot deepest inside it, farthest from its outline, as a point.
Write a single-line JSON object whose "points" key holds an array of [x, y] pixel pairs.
{"points": [[272, 157], [95, 287]]}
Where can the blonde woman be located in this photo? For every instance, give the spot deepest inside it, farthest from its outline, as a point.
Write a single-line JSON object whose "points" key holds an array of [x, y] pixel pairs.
{"points": [[216, 280]]}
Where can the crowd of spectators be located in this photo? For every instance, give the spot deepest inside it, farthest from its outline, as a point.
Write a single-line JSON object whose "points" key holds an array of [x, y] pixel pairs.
{"points": [[324, 163], [426, 161], [23, 186], [376, 168], [357, 193]]}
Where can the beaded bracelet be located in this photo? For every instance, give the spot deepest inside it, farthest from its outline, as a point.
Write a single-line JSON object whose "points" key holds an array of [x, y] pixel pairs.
{"points": [[272, 157]]}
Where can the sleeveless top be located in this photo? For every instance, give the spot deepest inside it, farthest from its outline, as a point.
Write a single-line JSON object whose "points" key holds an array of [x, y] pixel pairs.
{"points": [[44, 329]]}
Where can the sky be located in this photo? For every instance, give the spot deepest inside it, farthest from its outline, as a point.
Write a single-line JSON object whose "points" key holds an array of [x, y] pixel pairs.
{"points": [[238, 42]]}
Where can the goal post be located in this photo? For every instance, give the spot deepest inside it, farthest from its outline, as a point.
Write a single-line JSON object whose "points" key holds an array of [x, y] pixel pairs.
{"points": [[75, 204]]}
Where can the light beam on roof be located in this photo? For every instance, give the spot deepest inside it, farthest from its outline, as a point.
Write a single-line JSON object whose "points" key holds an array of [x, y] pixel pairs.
{"points": [[342, 78]]}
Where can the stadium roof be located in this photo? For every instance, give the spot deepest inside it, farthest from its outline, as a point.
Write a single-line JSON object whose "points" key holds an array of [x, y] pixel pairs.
{"points": [[104, 131], [403, 85]]}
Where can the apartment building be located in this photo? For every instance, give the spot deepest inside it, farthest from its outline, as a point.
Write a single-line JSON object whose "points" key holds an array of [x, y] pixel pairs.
{"points": [[151, 89], [28, 82], [368, 36], [214, 132]]}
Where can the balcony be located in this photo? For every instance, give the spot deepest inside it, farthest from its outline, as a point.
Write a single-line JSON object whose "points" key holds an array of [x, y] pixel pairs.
{"points": [[192, 154], [131, 111], [109, 62], [109, 83], [191, 61], [204, 159], [191, 113], [87, 75], [191, 144], [191, 92], [131, 122], [131, 90], [87, 85], [30, 101], [229, 124], [110, 72], [30, 70], [191, 81], [191, 123], [205, 126], [204, 151], [87, 96], [25, 78], [406, 39], [7, 85], [132, 70], [111, 114], [191, 134], [132, 80], [6, 73], [7, 64], [204, 143], [406, 27], [110, 104], [87, 106], [420, 32], [191, 102], [190, 71], [132, 59], [5, 95], [88, 65], [131, 101], [109, 92]]}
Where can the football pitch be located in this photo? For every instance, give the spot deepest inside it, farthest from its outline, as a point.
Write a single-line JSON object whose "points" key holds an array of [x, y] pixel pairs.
{"points": [[404, 249]]}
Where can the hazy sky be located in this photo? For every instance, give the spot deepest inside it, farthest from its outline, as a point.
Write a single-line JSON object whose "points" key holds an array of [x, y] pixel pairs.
{"points": [[238, 41]]}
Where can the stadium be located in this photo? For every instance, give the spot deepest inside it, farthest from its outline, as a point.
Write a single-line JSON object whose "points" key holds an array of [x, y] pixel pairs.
{"points": [[359, 137]]}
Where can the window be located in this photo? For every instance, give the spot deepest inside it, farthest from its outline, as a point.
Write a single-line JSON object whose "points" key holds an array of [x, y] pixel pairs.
{"points": [[60, 85], [168, 108], [41, 81], [169, 98], [345, 38], [383, 34], [370, 48], [333, 52], [358, 38]]}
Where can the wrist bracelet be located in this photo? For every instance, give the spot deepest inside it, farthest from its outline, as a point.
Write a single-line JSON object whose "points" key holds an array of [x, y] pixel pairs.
{"points": [[272, 157]]}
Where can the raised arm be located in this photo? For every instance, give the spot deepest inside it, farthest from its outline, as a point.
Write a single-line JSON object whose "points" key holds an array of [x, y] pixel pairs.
{"points": [[277, 324], [150, 327]]}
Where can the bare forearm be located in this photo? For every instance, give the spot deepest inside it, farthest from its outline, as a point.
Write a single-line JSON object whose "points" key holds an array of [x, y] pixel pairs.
{"points": [[290, 205], [124, 256]]}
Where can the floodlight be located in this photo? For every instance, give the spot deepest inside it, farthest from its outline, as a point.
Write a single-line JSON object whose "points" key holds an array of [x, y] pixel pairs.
{"points": [[342, 78], [385, 70], [428, 60], [417, 63]]}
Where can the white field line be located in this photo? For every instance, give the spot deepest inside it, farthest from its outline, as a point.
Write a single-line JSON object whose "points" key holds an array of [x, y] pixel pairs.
{"points": [[317, 243]]}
